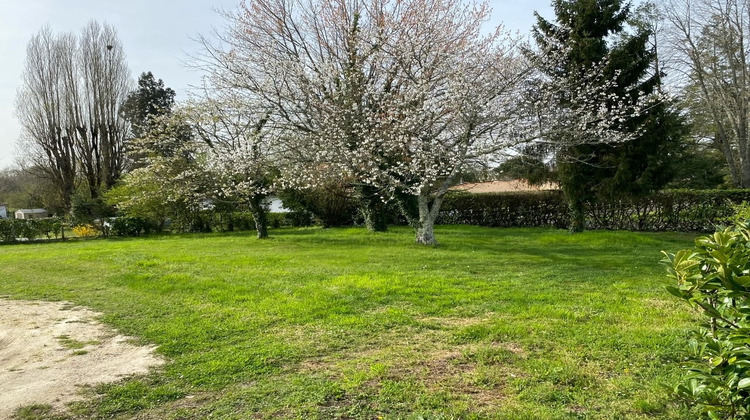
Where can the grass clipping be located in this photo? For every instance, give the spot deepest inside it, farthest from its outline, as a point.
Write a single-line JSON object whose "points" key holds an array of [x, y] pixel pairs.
{"points": [[49, 350]]}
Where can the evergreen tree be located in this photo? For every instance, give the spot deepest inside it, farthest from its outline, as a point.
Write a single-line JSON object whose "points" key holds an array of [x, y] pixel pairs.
{"points": [[151, 99], [145, 109], [594, 31]]}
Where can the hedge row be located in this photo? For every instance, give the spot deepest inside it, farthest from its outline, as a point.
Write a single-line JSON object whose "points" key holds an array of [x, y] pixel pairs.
{"points": [[676, 210], [14, 229], [522, 209]]}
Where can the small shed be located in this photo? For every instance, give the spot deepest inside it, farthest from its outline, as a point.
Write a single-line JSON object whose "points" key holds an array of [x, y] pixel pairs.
{"points": [[29, 214], [3, 212]]}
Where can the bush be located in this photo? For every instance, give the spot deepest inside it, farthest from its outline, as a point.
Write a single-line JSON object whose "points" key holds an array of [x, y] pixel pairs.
{"points": [[714, 276], [242, 221], [87, 211], [85, 231], [9, 229], [49, 227], [674, 210], [331, 205], [14, 229], [27, 229], [296, 219], [131, 226]]}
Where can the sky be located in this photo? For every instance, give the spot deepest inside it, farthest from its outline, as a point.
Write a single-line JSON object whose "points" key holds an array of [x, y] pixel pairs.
{"points": [[157, 35]]}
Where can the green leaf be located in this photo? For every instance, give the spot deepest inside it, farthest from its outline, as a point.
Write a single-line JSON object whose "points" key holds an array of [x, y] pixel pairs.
{"points": [[743, 280], [677, 292]]}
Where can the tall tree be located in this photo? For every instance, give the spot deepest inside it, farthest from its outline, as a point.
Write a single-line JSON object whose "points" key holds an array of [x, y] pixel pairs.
{"points": [[46, 110], [164, 185], [148, 101], [593, 33], [68, 107], [104, 83], [708, 40]]}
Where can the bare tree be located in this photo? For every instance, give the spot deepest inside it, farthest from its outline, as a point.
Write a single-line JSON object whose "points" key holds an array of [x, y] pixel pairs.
{"points": [[709, 41], [105, 82], [46, 109], [68, 107]]}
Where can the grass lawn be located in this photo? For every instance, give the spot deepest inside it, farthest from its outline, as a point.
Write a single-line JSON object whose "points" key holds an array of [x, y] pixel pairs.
{"points": [[339, 323]]}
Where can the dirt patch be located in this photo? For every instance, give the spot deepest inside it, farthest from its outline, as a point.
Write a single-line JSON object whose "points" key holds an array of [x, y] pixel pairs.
{"points": [[48, 350], [429, 361], [457, 322]]}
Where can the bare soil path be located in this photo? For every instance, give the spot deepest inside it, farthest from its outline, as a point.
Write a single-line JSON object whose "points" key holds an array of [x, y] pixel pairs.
{"points": [[48, 350]]}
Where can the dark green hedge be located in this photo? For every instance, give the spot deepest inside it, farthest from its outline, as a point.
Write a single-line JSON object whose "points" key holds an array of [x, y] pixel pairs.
{"points": [[675, 210], [521, 209], [12, 230]]}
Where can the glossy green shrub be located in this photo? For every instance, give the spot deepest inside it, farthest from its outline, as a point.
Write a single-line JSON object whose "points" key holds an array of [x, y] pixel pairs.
{"points": [[714, 277]]}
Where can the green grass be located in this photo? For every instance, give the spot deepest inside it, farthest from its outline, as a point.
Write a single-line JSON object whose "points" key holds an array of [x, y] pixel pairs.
{"points": [[493, 323]]}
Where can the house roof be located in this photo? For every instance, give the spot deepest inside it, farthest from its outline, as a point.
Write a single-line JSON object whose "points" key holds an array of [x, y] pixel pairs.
{"points": [[504, 186]]}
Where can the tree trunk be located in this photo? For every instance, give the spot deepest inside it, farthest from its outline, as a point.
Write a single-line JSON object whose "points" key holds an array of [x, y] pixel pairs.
{"points": [[745, 172], [425, 233], [425, 225], [577, 215], [260, 217], [261, 223], [574, 186], [734, 162]]}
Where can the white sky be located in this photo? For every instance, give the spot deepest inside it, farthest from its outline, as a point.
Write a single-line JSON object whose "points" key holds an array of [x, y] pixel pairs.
{"points": [[156, 34]]}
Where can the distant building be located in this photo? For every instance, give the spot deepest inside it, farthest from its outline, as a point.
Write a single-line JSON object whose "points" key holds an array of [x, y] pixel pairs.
{"points": [[3, 212], [28, 214]]}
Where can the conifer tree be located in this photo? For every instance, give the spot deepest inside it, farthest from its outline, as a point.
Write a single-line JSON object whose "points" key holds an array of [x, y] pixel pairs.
{"points": [[594, 33]]}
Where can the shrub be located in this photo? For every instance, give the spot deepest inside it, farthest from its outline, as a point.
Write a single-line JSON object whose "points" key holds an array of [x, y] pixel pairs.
{"points": [[49, 227], [296, 219], [13, 229], [87, 211], [131, 226], [27, 229], [84, 231], [714, 276], [242, 221], [331, 205], [8, 230]]}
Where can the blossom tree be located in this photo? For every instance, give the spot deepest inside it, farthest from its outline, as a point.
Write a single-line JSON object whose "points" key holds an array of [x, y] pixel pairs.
{"points": [[398, 96], [238, 165]]}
